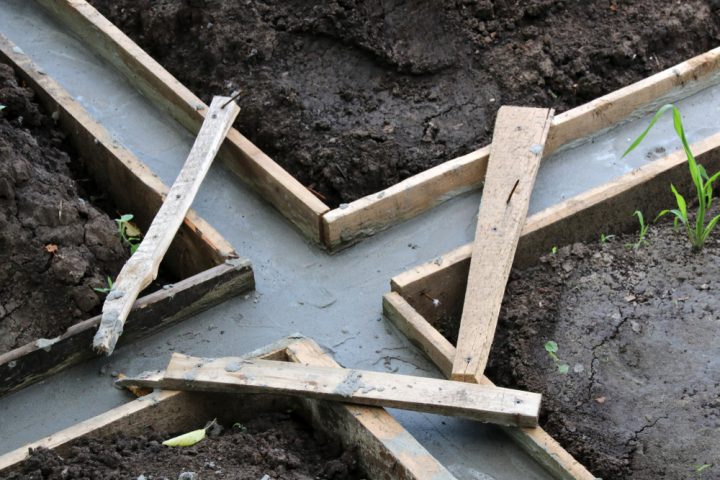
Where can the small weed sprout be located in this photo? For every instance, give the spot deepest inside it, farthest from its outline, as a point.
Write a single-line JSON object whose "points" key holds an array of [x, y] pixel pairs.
{"points": [[129, 234], [606, 238], [643, 231], [698, 233], [553, 250], [703, 467], [105, 289], [551, 347]]}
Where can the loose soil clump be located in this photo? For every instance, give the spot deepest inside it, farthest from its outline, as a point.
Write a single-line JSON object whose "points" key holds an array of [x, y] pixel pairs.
{"points": [[273, 444], [55, 246], [352, 96], [638, 330]]}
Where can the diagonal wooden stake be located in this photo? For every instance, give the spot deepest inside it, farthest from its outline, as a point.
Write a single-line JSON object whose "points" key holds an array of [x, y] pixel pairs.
{"points": [[142, 267], [237, 375], [515, 152]]}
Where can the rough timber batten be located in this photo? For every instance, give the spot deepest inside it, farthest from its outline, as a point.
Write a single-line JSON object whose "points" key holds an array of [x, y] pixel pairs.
{"points": [[388, 451], [273, 183], [535, 441], [376, 212], [342, 227]]}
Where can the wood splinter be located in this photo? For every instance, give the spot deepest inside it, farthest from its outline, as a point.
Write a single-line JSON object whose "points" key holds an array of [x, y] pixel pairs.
{"points": [[142, 267], [238, 375]]}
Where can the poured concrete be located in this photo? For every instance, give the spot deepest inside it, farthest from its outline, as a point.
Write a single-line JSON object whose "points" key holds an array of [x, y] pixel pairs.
{"points": [[334, 299]]}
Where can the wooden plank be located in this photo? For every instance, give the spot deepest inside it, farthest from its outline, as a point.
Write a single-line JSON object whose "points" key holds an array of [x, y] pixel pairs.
{"points": [[518, 143], [372, 429], [374, 213], [142, 267], [130, 184], [501, 406], [31, 363], [386, 451], [535, 441], [254, 167], [421, 192], [605, 209]]}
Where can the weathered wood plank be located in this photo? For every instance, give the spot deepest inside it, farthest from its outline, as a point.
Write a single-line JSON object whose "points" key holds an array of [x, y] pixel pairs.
{"points": [[605, 209], [541, 446], [130, 184], [518, 143], [501, 406], [374, 213], [386, 451], [142, 267], [31, 363], [252, 166], [372, 429], [410, 197]]}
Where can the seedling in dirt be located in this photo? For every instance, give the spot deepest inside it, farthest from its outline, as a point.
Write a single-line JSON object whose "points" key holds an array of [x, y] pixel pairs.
{"points": [[606, 238], [643, 231], [2, 107], [703, 467], [552, 347], [239, 426], [698, 232], [554, 249], [129, 233], [105, 289], [189, 439]]}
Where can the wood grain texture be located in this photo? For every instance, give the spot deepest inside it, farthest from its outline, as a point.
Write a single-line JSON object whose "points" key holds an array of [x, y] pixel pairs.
{"points": [[606, 209], [386, 451], [535, 441], [129, 183], [142, 267], [31, 363], [251, 165], [518, 143], [373, 430], [500, 406], [368, 215]]}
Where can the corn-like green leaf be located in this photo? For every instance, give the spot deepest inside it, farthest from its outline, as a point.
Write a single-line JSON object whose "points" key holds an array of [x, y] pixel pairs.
{"points": [[647, 130], [710, 227], [186, 439], [681, 203]]}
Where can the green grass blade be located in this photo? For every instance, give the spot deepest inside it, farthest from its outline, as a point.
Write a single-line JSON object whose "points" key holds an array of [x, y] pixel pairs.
{"points": [[710, 227], [647, 130]]}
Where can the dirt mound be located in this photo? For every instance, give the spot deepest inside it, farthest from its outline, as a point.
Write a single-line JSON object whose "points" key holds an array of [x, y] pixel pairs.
{"points": [[55, 246], [352, 96]]}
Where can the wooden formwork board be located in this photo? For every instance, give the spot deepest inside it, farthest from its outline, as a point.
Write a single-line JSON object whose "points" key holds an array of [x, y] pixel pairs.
{"points": [[385, 449], [344, 226], [208, 266], [436, 289]]}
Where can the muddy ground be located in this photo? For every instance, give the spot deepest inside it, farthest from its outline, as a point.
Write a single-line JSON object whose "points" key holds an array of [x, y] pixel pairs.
{"points": [[277, 445], [352, 96], [638, 332], [55, 245]]}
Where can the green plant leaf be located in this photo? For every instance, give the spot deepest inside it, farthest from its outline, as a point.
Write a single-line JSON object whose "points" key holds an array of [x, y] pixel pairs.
{"points": [[186, 439], [125, 218], [134, 247], [710, 227], [681, 203], [551, 346], [2, 107], [564, 368], [647, 130]]}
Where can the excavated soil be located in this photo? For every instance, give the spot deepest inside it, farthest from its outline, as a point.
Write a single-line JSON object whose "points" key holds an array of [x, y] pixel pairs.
{"points": [[274, 445], [55, 246], [351, 96], [638, 330]]}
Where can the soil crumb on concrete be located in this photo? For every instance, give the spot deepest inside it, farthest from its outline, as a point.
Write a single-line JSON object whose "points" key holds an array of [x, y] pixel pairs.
{"points": [[55, 246], [352, 96]]}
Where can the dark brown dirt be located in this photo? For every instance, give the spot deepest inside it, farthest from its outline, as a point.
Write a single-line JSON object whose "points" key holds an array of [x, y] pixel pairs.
{"points": [[638, 330], [277, 445], [43, 207], [352, 96]]}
